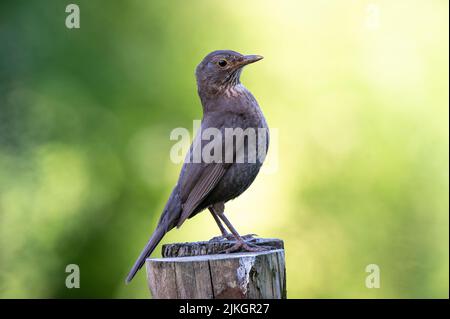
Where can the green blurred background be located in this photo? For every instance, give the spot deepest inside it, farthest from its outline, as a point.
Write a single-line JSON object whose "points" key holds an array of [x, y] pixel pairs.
{"points": [[358, 91]]}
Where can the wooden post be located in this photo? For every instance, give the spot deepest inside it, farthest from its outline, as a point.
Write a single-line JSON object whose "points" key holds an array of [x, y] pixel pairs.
{"points": [[197, 271]]}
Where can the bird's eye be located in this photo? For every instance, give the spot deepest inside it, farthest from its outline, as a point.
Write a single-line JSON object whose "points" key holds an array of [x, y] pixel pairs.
{"points": [[222, 63]]}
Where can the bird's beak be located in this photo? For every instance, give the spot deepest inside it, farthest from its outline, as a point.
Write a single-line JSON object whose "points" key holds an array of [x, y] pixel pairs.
{"points": [[250, 59]]}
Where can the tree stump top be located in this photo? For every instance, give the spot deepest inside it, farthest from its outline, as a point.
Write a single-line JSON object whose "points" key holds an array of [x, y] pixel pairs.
{"points": [[203, 248]]}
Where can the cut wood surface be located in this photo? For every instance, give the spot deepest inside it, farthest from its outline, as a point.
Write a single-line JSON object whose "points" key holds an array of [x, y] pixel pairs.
{"points": [[197, 270]]}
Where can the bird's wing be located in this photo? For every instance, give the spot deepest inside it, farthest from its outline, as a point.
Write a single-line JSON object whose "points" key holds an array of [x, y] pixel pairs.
{"points": [[210, 175], [197, 180]]}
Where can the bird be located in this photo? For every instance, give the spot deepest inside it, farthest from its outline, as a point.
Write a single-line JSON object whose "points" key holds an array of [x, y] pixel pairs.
{"points": [[201, 185]]}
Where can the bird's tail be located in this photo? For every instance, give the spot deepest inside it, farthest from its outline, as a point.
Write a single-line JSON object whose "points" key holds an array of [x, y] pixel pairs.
{"points": [[154, 240]]}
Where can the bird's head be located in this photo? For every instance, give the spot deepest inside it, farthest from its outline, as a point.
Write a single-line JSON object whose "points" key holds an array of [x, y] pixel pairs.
{"points": [[221, 69]]}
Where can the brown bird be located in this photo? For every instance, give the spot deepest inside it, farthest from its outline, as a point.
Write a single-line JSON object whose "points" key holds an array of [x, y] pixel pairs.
{"points": [[227, 104]]}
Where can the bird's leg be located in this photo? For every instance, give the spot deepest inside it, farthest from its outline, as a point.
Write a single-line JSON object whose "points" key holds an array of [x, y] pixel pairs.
{"points": [[241, 244], [216, 210], [224, 232]]}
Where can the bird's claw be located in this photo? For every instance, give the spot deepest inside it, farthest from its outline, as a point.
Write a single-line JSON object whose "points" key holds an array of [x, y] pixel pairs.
{"points": [[249, 237], [230, 237], [242, 246], [222, 238]]}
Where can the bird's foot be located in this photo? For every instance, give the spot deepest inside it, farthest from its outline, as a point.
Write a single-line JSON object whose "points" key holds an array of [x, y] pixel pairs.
{"points": [[249, 237], [230, 237], [222, 238], [245, 246]]}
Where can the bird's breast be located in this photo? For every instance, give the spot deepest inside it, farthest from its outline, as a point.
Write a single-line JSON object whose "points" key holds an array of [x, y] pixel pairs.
{"points": [[235, 90]]}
